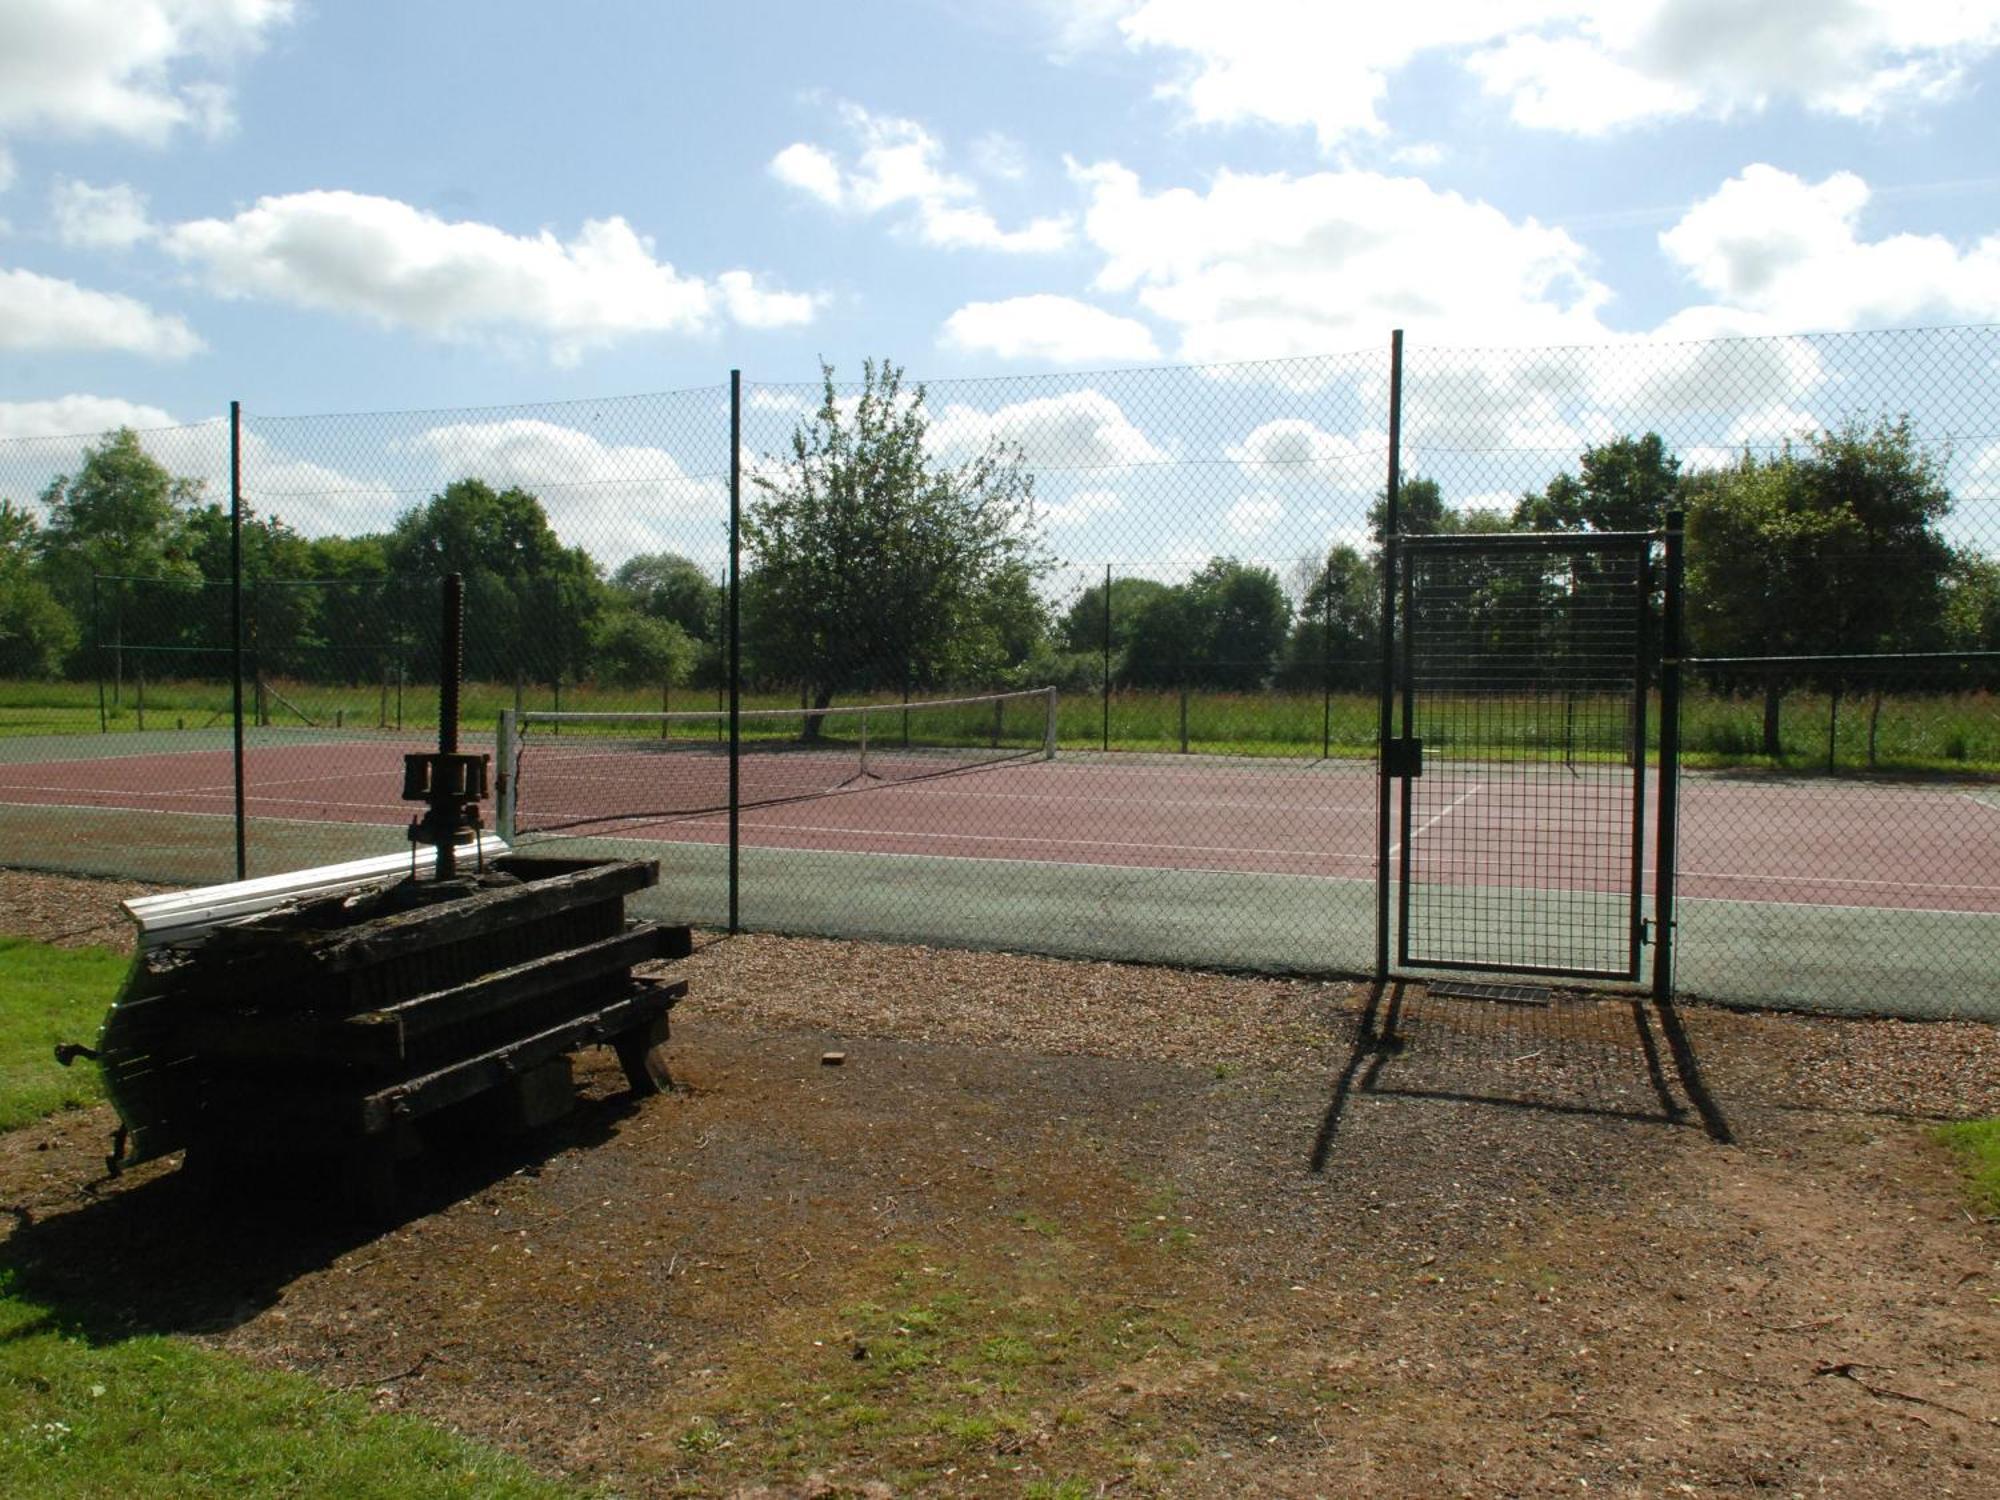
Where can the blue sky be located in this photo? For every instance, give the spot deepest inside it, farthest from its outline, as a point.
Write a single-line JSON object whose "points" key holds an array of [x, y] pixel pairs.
{"points": [[363, 206]]}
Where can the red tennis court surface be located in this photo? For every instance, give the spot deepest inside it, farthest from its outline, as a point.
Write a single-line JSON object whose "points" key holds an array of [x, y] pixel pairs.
{"points": [[1821, 842]]}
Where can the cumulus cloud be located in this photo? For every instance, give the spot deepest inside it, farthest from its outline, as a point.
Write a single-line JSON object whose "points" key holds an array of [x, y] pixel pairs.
{"points": [[616, 499], [1582, 66], [1294, 444], [75, 415], [142, 70], [399, 266], [1791, 253], [47, 314], [1262, 266], [898, 164], [95, 218], [1082, 429], [1047, 329], [1254, 515], [1079, 509]]}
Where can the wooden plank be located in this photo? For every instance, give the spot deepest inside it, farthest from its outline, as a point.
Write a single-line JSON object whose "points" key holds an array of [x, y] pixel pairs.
{"points": [[386, 938], [322, 1111], [424, 1014], [370, 1040]]}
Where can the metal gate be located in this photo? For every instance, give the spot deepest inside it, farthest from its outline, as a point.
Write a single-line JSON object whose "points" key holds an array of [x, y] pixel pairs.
{"points": [[1519, 752]]}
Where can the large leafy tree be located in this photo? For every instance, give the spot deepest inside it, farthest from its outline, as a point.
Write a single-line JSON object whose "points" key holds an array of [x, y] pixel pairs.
{"points": [[531, 604], [877, 565], [122, 513], [1627, 484], [1083, 623], [1830, 546], [1336, 638], [36, 632], [1222, 628], [667, 586]]}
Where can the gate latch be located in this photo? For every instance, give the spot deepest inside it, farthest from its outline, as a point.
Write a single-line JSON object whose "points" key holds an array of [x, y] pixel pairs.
{"points": [[1401, 758]]}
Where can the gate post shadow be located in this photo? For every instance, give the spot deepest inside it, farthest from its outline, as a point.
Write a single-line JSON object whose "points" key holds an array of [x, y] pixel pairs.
{"points": [[1378, 1039]]}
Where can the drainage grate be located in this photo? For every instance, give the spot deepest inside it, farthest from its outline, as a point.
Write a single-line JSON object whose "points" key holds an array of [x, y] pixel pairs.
{"points": [[1505, 994]]}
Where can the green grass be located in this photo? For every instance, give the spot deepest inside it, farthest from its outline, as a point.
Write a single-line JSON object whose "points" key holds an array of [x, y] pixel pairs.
{"points": [[1939, 732], [50, 995], [158, 1416], [1978, 1142]]}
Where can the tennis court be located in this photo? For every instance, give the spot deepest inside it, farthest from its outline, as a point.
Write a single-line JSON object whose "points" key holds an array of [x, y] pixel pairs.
{"points": [[1793, 889]]}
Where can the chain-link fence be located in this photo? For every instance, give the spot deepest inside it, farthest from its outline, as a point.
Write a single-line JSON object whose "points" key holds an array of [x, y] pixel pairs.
{"points": [[1191, 559]]}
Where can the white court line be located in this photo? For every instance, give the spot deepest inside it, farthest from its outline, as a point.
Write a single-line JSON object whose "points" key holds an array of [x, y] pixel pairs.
{"points": [[1438, 817]]}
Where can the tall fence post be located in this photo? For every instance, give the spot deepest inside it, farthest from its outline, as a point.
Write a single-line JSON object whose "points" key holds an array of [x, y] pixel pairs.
{"points": [[735, 647], [1668, 817], [236, 636], [1326, 661], [1107, 657], [1386, 706], [97, 657]]}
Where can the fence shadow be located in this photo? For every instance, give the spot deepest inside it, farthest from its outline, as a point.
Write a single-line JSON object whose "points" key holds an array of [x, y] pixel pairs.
{"points": [[1613, 1059]]}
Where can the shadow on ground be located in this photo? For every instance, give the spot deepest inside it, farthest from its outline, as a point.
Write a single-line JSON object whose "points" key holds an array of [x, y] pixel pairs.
{"points": [[1626, 1060]]}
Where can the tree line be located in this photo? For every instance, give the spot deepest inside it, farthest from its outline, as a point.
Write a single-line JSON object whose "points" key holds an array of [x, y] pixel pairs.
{"points": [[872, 566]]}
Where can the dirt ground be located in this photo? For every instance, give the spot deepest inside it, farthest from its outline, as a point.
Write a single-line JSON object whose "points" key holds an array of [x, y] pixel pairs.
{"points": [[1061, 1228]]}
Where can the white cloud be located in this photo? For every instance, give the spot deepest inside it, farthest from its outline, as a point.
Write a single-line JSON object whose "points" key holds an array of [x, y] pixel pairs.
{"points": [[1583, 66], [76, 415], [1082, 507], [613, 499], [900, 164], [94, 218], [1790, 253], [384, 260], [810, 170], [1048, 329], [1077, 430], [1263, 266], [6, 168], [44, 313], [1290, 444], [1254, 515], [139, 69], [756, 306]]}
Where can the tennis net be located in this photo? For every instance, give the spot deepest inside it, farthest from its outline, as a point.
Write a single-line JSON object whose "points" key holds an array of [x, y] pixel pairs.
{"points": [[580, 772]]}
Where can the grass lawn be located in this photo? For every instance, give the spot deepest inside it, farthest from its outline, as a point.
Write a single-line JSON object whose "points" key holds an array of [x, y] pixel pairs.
{"points": [[1978, 1142], [161, 1416]]}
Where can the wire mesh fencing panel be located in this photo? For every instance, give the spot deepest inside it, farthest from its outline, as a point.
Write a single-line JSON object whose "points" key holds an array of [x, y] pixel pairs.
{"points": [[592, 541], [1153, 546], [1842, 521], [115, 679]]}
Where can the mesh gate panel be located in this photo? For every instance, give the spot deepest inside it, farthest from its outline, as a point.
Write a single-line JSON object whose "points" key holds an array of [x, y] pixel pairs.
{"points": [[1524, 680]]}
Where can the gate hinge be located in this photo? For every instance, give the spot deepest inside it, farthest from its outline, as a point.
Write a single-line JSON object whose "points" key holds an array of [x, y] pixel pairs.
{"points": [[1402, 758]]}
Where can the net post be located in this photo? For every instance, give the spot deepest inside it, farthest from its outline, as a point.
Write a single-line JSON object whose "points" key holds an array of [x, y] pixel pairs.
{"points": [[862, 719], [503, 776], [1049, 725]]}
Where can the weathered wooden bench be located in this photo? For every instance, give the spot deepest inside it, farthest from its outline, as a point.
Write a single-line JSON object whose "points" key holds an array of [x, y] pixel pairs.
{"points": [[325, 1013]]}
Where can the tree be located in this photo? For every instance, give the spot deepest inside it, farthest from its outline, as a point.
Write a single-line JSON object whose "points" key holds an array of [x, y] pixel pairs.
{"points": [[877, 566], [1828, 547], [36, 632], [120, 513], [1336, 637], [1222, 628], [667, 586], [1628, 484], [1420, 511], [637, 650], [1083, 622], [530, 602]]}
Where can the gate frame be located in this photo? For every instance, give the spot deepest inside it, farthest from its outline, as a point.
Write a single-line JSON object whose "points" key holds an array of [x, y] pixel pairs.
{"points": [[1658, 665]]}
